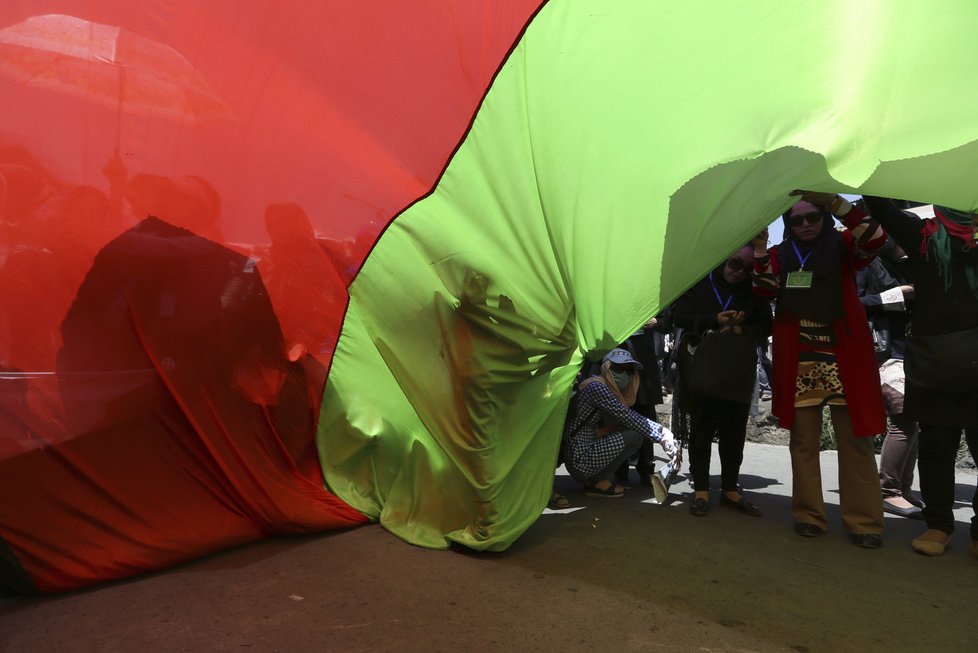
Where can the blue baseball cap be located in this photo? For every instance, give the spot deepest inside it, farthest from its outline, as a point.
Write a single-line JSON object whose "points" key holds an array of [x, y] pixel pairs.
{"points": [[621, 357]]}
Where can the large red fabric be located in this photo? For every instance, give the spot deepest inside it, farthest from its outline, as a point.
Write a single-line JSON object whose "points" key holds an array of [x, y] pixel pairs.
{"points": [[160, 376]]}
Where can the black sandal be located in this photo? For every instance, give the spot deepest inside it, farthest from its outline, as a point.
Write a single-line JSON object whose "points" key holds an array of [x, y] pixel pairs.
{"points": [[700, 507], [558, 502], [742, 505], [609, 492]]}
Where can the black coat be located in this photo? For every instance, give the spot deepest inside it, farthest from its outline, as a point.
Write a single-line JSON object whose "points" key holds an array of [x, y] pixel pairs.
{"points": [[936, 311], [889, 326]]}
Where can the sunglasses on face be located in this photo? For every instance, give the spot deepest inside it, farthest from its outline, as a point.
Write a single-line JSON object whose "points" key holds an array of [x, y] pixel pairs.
{"points": [[811, 218], [736, 265], [620, 368]]}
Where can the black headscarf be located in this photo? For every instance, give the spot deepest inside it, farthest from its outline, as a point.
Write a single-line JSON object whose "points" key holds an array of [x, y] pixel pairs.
{"points": [[822, 301], [702, 298]]}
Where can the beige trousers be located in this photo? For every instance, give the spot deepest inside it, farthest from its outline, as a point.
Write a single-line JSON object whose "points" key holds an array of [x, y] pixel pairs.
{"points": [[859, 486]]}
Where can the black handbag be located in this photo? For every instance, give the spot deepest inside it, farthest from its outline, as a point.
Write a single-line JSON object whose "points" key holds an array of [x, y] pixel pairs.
{"points": [[723, 365], [947, 362]]}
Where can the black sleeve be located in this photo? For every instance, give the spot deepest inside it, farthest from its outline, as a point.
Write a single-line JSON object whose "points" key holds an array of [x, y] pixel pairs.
{"points": [[903, 227], [869, 282]]}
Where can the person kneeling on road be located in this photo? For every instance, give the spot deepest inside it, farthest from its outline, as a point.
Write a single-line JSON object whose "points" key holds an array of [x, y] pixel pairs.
{"points": [[602, 431]]}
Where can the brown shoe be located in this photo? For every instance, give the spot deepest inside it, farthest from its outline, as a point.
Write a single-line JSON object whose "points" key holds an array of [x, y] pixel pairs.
{"points": [[868, 540], [808, 530], [973, 551], [931, 543]]}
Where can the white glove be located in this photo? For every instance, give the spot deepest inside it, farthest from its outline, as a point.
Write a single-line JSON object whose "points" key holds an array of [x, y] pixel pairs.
{"points": [[668, 442]]}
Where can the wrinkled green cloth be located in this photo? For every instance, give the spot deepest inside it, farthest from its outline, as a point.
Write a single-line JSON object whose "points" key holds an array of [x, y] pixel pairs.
{"points": [[661, 134]]}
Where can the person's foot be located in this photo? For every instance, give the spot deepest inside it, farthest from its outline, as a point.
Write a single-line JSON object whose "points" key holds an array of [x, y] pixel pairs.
{"points": [[700, 506], [868, 540], [604, 488], [808, 530], [931, 543], [913, 500], [738, 502], [901, 507], [558, 501]]}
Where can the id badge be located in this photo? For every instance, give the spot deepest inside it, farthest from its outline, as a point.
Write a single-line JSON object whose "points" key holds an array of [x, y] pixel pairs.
{"points": [[799, 279]]}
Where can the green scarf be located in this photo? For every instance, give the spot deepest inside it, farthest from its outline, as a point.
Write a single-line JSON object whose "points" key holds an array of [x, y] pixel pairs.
{"points": [[950, 229]]}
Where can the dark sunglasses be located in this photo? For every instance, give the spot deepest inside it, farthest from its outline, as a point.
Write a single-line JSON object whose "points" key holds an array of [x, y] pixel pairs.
{"points": [[737, 265], [811, 218], [620, 368]]}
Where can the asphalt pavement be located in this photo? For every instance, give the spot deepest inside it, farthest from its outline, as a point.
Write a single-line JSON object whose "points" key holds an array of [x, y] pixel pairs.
{"points": [[605, 575]]}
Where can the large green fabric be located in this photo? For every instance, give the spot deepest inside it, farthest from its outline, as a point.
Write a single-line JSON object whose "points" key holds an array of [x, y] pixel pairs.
{"points": [[624, 149]]}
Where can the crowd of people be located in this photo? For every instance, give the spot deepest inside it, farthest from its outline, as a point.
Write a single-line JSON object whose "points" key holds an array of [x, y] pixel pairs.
{"points": [[875, 321]]}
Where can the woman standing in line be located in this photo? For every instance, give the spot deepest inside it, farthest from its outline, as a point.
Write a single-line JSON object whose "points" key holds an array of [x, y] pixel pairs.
{"points": [[886, 292], [941, 358], [721, 307], [823, 355]]}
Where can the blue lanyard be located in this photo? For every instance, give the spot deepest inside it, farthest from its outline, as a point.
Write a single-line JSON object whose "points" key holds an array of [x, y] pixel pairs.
{"points": [[724, 304], [798, 254]]}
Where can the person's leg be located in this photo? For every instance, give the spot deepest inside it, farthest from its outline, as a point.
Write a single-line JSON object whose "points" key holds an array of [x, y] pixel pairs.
{"points": [[631, 442], [763, 375], [893, 458], [621, 475], [703, 425], [807, 505], [898, 462], [971, 435], [732, 436], [911, 431], [938, 448], [646, 461], [859, 486]]}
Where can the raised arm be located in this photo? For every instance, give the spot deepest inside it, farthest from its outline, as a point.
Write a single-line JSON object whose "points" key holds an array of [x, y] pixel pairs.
{"points": [[765, 278], [905, 228], [868, 236]]}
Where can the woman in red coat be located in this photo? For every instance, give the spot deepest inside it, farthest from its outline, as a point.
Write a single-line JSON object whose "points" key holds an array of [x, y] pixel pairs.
{"points": [[823, 355]]}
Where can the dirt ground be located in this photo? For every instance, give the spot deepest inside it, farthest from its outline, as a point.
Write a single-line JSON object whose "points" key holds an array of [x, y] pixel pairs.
{"points": [[610, 575]]}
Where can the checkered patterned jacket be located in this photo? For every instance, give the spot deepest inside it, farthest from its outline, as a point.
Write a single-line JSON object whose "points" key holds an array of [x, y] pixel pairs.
{"points": [[587, 453]]}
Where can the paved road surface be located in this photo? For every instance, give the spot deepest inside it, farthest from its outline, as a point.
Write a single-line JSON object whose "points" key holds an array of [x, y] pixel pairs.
{"points": [[612, 576]]}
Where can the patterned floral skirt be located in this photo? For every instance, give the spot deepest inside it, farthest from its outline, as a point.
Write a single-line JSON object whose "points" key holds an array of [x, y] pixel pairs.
{"points": [[817, 382]]}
